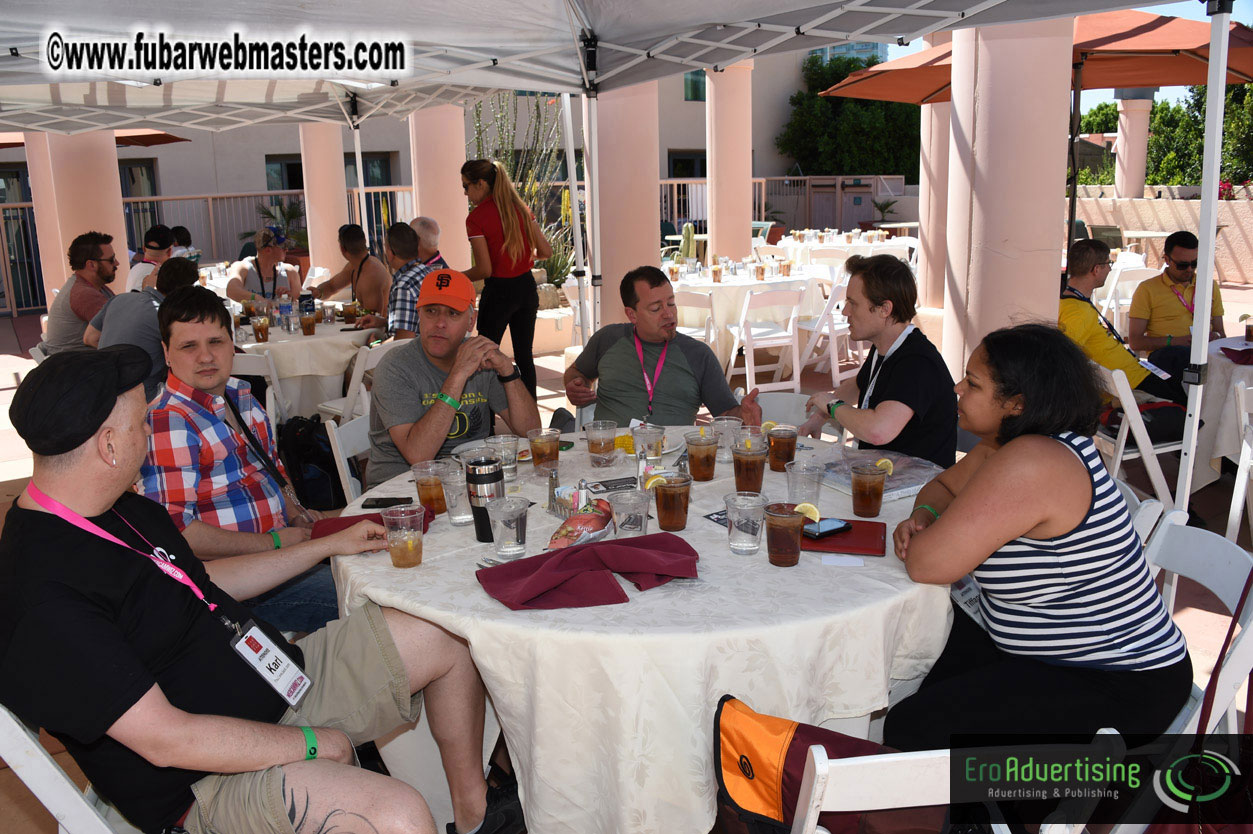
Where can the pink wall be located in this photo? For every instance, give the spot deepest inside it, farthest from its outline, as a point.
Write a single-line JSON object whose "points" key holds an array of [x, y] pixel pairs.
{"points": [[933, 195], [437, 147], [729, 138], [322, 161], [76, 188], [1133, 146], [630, 213]]}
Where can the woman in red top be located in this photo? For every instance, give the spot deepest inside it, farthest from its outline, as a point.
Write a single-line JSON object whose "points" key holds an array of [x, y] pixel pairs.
{"points": [[505, 240]]}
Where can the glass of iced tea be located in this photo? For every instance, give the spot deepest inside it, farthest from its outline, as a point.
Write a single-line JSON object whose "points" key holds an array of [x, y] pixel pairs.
{"points": [[261, 328], [308, 323], [601, 435], [868, 481], [426, 475], [544, 449], [350, 313], [250, 307], [783, 534], [404, 535], [672, 496], [782, 447], [702, 454], [749, 459]]}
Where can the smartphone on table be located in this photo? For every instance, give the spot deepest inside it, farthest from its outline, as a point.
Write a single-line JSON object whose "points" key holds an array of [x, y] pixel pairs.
{"points": [[825, 527], [384, 503]]}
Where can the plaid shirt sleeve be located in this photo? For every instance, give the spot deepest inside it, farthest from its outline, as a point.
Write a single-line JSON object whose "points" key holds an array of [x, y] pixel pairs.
{"points": [[171, 474], [402, 308]]}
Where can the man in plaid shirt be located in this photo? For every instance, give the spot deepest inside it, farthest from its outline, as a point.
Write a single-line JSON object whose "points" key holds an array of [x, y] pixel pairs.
{"points": [[217, 488], [405, 256]]}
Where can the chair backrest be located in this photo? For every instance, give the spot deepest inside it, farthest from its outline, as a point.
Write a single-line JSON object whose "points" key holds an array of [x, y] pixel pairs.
{"points": [[1240, 491], [1132, 422], [869, 783], [368, 358], [1144, 513], [348, 441], [1222, 567], [21, 750], [773, 298], [262, 364], [699, 300], [828, 255], [783, 407], [769, 251], [895, 251]]}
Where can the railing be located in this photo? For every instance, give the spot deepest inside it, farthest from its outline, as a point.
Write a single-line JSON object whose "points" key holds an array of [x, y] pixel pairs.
{"points": [[384, 206], [216, 221], [687, 201], [22, 276]]}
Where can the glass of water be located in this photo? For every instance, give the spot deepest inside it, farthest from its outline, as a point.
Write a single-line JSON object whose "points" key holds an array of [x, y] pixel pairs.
{"points": [[505, 447], [508, 520], [456, 498], [725, 428], [804, 480], [630, 512], [746, 518]]}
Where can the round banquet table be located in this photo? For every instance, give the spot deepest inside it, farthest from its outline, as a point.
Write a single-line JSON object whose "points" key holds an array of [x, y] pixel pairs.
{"points": [[311, 368], [608, 711]]}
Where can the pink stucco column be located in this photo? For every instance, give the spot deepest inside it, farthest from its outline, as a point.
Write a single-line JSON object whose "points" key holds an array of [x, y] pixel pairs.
{"points": [[437, 148], [75, 188], [729, 149], [630, 205], [1133, 147], [1007, 178], [326, 190], [933, 195]]}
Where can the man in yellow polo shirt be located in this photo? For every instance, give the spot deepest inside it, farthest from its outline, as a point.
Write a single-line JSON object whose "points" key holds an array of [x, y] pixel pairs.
{"points": [[1161, 308], [1087, 267]]}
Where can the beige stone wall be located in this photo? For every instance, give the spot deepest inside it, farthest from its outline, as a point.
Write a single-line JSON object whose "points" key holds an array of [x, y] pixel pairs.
{"points": [[1235, 239]]}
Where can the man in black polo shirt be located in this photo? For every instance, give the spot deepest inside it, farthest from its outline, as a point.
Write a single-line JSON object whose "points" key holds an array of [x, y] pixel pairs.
{"points": [[179, 705], [902, 399]]}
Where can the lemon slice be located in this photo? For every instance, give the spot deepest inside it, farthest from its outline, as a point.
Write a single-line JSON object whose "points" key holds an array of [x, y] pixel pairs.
{"points": [[768, 425], [885, 465], [808, 510], [654, 480]]}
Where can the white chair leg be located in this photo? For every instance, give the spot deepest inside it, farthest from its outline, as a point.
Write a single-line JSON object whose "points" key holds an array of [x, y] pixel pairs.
{"points": [[750, 366]]}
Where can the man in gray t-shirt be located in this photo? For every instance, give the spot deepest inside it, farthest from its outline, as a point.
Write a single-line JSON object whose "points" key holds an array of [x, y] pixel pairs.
{"points": [[646, 370], [442, 389]]}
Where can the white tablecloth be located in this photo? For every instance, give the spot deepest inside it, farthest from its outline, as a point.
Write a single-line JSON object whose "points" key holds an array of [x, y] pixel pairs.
{"points": [[728, 301], [1220, 436], [311, 368], [799, 253], [608, 711]]}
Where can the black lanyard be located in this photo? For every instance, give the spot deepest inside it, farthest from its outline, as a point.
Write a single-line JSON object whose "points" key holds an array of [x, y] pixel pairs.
{"points": [[256, 264], [357, 275], [254, 444], [1113, 331]]}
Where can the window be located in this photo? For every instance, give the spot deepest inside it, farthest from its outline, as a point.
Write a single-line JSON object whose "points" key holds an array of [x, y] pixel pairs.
{"points": [[139, 179], [14, 183], [694, 85], [683, 164], [283, 172], [378, 169]]}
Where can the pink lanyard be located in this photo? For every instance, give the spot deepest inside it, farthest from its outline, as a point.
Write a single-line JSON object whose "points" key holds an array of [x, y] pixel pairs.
{"points": [[161, 561], [1189, 307], [650, 386]]}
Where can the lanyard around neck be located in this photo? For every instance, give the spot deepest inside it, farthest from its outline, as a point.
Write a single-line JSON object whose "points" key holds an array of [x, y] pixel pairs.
{"points": [[157, 555], [877, 368], [1189, 307], [650, 386], [1113, 331]]}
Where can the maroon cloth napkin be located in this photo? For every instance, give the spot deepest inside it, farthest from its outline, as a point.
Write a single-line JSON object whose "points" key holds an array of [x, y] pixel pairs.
{"points": [[330, 526], [1240, 357], [582, 576]]}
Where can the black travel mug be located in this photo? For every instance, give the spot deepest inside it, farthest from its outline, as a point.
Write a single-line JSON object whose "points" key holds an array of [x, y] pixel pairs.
{"points": [[485, 480]]}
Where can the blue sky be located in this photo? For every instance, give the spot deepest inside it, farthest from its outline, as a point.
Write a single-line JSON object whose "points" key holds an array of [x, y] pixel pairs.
{"points": [[1193, 9]]}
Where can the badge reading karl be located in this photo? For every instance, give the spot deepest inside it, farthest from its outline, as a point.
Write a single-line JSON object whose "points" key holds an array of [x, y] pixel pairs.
{"points": [[272, 664]]}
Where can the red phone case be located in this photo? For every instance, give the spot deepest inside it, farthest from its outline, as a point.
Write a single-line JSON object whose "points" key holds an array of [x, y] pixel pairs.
{"points": [[863, 538]]}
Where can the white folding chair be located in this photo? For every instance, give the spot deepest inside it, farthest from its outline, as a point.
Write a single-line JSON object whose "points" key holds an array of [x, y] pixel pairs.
{"points": [[698, 301], [913, 245], [897, 251], [350, 440], [357, 400], [37, 353], [571, 290], [828, 256], [1114, 448], [751, 335], [262, 365], [761, 253], [783, 407], [1145, 512], [1119, 287], [1240, 496], [831, 326], [76, 812]]}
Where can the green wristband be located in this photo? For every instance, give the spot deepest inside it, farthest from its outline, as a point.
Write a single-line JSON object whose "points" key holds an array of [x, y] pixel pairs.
{"points": [[929, 509], [455, 405], [277, 542], [311, 744], [1168, 338], [833, 405]]}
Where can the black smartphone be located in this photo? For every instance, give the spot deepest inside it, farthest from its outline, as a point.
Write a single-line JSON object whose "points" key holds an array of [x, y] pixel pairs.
{"points": [[384, 503], [824, 528], [565, 445]]}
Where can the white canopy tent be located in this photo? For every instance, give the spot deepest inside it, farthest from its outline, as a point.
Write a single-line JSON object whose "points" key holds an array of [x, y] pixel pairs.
{"points": [[460, 51]]}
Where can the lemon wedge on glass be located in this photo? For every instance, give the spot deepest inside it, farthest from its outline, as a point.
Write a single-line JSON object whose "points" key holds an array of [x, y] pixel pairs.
{"points": [[654, 480], [808, 510], [767, 426], [885, 465]]}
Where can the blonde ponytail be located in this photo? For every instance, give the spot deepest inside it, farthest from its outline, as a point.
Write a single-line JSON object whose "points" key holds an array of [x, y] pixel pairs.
{"points": [[514, 216]]}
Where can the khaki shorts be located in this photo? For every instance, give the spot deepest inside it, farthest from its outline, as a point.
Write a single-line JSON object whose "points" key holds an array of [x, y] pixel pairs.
{"points": [[359, 686]]}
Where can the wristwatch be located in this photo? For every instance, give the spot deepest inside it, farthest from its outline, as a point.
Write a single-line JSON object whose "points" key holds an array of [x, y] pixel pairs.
{"points": [[515, 375]]}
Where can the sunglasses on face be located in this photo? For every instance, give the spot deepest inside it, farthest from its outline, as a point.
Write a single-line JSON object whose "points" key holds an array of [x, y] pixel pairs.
{"points": [[1183, 264]]}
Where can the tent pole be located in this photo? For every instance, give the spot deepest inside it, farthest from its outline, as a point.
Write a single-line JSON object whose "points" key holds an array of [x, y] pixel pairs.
{"points": [[1077, 82], [591, 149], [1215, 99], [356, 149], [576, 215]]}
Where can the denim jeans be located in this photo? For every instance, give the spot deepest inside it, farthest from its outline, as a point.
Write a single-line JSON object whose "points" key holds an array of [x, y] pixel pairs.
{"points": [[303, 603]]}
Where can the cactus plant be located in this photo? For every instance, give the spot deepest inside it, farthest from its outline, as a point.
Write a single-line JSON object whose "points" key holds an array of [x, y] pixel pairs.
{"points": [[687, 248]]}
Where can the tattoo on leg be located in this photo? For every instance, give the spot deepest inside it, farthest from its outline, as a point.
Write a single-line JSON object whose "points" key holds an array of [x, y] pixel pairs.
{"points": [[338, 821]]}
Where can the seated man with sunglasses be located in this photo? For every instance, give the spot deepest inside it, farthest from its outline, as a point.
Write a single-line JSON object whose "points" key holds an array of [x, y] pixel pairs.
{"points": [[1161, 308]]}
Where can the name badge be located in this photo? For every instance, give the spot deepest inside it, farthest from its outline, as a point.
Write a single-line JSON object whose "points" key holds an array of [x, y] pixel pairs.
{"points": [[1154, 370], [272, 663], [635, 422]]}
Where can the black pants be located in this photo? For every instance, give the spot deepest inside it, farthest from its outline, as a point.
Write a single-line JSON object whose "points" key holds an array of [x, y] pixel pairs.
{"points": [[1173, 360], [512, 303], [1167, 389], [976, 688]]}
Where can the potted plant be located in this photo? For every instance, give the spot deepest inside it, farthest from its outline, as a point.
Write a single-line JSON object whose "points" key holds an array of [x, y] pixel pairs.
{"points": [[287, 217]]}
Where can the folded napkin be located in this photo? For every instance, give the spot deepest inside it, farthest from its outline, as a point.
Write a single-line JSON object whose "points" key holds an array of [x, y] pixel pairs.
{"points": [[582, 576], [1240, 357], [330, 526]]}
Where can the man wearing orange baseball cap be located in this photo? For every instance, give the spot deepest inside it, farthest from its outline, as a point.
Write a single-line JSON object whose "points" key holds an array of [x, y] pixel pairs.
{"points": [[443, 388]]}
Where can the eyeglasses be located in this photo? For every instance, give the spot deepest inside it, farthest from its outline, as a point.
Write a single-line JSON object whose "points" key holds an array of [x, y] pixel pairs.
{"points": [[112, 259], [1182, 264]]}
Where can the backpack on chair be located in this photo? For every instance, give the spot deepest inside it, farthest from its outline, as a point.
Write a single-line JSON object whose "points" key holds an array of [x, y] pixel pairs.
{"points": [[305, 449]]}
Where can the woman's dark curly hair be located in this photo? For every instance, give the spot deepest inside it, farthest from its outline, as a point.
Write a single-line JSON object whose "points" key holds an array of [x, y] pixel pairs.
{"points": [[1059, 387]]}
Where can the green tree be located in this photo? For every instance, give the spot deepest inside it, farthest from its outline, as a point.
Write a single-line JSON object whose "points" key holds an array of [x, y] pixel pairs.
{"points": [[1100, 119], [834, 135], [1177, 135]]}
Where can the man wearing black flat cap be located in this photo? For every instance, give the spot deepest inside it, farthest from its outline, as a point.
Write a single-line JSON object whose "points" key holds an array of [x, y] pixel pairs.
{"points": [[179, 706]]}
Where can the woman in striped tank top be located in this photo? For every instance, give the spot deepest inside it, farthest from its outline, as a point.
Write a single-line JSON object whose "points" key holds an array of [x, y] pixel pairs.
{"points": [[1077, 636]]}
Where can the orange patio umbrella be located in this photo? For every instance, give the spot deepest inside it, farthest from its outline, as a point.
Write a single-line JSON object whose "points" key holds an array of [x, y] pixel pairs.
{"points": [[127, 137], [1112, 49]]}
